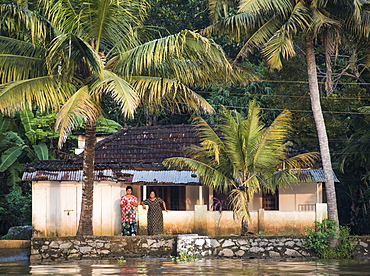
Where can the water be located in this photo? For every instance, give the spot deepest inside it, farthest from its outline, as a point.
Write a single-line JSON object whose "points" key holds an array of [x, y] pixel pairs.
{"points": [[225, 267]]}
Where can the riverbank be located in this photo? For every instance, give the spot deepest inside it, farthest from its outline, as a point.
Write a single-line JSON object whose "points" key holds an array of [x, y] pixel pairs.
{"points": [[108, 247]]}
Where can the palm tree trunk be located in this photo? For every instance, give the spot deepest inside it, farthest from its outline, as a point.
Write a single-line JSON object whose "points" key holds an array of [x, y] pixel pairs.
{"points": [[245, 226], [329, 50], [321, 131], [85, 226]]}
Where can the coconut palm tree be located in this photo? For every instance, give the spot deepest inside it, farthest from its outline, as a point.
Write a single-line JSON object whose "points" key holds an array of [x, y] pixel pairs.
{"points": [[272, 25], [68, 55], [243, 156]]}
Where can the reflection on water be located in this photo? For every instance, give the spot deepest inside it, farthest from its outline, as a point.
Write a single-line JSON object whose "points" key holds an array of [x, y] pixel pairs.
{"points": [[223, 267]]}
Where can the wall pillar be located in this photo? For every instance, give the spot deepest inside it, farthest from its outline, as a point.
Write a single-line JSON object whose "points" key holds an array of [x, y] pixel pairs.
{"points": [[261, 221], [144, 192], [201, 195], [321, 212], [200, 220]]}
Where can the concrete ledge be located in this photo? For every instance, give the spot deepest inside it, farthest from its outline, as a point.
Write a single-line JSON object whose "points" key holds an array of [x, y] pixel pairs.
{"points": [[15, 244]]}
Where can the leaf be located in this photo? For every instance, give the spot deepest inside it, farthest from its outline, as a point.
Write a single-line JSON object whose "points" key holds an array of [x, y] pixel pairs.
{"points": [[26, 116], [42, 151], [9, 157], [4, 123]]}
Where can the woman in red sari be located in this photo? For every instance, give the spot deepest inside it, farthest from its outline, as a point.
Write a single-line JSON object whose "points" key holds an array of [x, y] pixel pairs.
{"points": [[128, 204]]}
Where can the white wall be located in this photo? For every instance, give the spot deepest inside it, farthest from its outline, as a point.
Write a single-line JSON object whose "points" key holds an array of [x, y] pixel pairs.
{"points": [[291, 197], [56, 208]]}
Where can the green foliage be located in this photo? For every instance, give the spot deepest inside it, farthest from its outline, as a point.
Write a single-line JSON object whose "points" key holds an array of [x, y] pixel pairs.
{"points": [[319, 241], [121, 259], [9, 156], [177, 15], [241, 156], [16, 209], [184, 257]]}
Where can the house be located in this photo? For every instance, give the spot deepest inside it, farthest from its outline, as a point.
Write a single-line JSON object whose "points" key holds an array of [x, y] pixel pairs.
{"points": [[133, 156]]}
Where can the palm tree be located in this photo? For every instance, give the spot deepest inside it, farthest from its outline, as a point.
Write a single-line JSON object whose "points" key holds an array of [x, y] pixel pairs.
{"points": [[243, 157], [271, 26], [68, 55]]}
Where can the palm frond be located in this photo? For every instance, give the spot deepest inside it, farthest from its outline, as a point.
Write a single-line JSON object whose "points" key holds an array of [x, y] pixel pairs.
{"points": [[187, 55], [220, 9], [232, 130], [239, 201], [252, 130], [271, 145], [298, 19], [303, 160], [20, 60], [121, 92], [46, 92], [162, 92], [320, 21], [283, 7], [106, 20], [80, 105], [235, 26], [69, 48], [17, 67], [210, 176], [280, 46], [22, 23], [260, 36]]}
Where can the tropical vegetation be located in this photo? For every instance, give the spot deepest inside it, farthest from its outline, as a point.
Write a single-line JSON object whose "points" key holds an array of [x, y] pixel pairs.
{"points": [[319, 240], [67, 56], [272, 26], [241, 156]]}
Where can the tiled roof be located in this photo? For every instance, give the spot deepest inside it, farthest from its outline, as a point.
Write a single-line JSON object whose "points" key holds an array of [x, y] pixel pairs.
{"points": [[132, 147], [139, 148], [144, 145]]}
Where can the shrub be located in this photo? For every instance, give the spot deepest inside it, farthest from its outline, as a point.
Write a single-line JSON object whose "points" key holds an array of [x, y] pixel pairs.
{"points": [[320, 238]]}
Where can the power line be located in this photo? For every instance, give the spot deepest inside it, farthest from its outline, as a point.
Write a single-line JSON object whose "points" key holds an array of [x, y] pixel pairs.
{"points": [[306, 82], [359, 98], [298, 110]]}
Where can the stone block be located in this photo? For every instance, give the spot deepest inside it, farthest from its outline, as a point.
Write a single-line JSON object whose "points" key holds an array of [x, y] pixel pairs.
{"points": [[226, 252], [256, 249], [214, 243], [199, 242], [228, 243], [292, 253], [54, 244], [274, 254], [65, 245], [85, 249], [289, 243]]}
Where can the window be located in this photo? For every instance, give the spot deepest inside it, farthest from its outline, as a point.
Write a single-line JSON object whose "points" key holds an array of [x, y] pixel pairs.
{"points": [[174, 196], [220, 202], [270, 201]]}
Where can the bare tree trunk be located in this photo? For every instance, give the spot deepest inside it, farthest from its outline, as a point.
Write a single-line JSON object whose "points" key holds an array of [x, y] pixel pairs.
{"points": [[85, 226], [329, 51], [321, 131]]}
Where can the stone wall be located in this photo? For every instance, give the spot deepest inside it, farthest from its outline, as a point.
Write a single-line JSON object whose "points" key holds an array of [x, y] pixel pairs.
{"points": [[101, 247], [244, 246], [108, 247], [362, 247]]}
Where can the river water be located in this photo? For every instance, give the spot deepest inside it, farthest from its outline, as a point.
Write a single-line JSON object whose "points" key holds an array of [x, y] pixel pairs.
{"points": [[18, 264]]}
